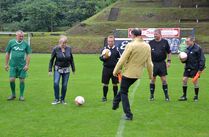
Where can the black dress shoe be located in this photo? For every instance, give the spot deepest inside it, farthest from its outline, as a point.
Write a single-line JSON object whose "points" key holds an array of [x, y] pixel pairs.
{"points": [[128, 118], [115, 106]]}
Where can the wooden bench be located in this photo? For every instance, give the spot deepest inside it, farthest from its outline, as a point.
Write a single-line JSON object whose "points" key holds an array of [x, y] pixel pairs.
{"points": [[193, 20]]}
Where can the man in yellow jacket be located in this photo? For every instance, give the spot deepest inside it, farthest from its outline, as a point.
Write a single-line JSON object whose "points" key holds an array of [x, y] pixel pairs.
{"points": [[136, 56]]}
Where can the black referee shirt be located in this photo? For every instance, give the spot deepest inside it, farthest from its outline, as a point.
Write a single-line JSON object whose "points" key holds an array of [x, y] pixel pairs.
{"points": [[159, 50]]}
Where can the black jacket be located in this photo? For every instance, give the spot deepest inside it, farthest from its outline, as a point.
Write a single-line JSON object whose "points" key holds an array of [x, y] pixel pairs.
{"points": [[63, 59], [195, 58], [113, 59]]}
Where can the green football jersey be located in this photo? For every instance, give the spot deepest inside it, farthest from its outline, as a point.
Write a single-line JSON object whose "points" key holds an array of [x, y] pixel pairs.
{"points": [[18, 52]]}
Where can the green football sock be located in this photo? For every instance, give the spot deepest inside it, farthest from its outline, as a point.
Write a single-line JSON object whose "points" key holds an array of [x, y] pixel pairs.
{"points": [[12, 86], [22, 87]]}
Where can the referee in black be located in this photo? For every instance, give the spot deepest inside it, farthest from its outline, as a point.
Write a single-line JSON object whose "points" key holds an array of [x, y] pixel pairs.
{"points": [[160, 50], [108, 67], [194, 64]]}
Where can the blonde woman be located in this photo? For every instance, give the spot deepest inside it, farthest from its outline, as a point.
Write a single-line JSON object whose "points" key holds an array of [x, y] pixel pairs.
{"points": [[62, 54]]}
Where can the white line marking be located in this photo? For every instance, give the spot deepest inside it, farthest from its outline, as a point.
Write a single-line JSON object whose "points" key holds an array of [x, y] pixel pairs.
{"points": [[122, 121]]}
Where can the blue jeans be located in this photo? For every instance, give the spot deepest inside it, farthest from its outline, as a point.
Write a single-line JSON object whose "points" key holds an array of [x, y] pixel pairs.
{"points": [[65, 77]]}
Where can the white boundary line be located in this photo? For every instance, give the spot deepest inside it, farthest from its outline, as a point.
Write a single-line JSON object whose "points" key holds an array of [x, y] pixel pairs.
{"points": [[122, 121]]}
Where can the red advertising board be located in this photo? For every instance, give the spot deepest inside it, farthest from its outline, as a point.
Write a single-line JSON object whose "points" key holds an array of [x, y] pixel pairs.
{"points": [[166, 32]]}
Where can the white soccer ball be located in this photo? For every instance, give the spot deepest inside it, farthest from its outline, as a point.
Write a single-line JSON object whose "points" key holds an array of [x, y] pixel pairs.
{"points": [[106, 52], [183, 56], [79, 100]]}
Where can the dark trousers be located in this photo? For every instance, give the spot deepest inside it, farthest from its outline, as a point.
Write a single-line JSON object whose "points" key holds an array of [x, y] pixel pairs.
{"points": [[123, 95], [65, 77]]}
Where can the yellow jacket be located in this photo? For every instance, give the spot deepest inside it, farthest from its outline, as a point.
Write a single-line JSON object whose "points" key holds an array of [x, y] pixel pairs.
{"points": [[136, 56]]}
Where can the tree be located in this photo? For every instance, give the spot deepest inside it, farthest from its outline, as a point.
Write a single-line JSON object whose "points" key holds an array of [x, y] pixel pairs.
{"points": [[45, 15], [39, 15]]}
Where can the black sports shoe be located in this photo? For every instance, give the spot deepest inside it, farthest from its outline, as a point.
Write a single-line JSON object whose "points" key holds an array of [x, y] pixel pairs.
{"points": [[128, 118], [151, 97], [195, 98], [12, 97], [167, 98], [115, 106], [104, 99], [182, 98]]}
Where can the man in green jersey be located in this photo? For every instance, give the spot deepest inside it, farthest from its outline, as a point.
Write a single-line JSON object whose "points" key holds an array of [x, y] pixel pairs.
{"points": [[17, 62]]}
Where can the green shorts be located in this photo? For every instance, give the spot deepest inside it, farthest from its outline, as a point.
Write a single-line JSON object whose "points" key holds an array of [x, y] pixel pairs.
{"points": [[16, 72]]}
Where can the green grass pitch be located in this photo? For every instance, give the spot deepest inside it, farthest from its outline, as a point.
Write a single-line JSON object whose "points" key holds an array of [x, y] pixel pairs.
{"points": [[36, 117]]}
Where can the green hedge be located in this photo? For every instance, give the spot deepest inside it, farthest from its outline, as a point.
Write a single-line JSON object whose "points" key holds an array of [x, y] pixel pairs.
{"points": [[44, 44]]}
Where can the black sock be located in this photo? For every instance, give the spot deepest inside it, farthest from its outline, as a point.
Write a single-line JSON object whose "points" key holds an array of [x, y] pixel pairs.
{"points": [[165, 89], [152, 89], [105, 90], [115, 90], [184, 91], [196, 90]]}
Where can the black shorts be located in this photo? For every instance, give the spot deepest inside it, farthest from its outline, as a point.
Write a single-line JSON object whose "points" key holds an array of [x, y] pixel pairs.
{"points": [[190, 73], [159, 69], [107, 74]]}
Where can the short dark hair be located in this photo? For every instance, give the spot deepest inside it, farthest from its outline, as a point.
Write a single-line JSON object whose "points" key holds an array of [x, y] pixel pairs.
{"points": [[191, 38], [158, 31], [111, 37], [136, 32]]}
